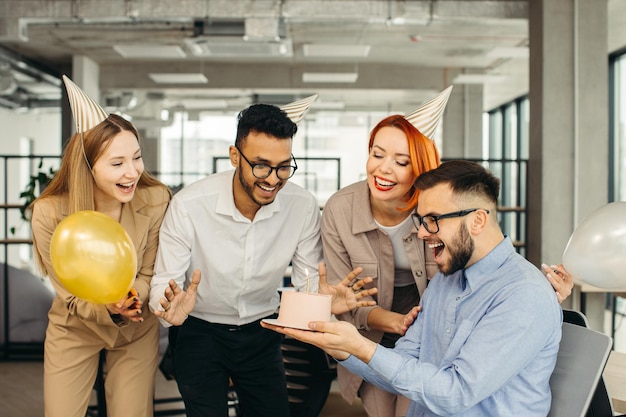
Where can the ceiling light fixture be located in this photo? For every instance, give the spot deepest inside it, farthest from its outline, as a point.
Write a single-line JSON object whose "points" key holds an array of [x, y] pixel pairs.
{"points": [[479, 78], [329, 77], [237, 47], [178, 78], [137, 51]]}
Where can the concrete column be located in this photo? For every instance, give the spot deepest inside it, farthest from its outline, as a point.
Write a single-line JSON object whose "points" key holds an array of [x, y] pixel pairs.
{"points": [[568, 174], [463, 123], [85, 72]]}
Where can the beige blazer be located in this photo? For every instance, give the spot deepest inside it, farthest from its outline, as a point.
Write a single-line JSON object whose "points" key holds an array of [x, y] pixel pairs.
{"points": [[351, 238], [141, 218]]}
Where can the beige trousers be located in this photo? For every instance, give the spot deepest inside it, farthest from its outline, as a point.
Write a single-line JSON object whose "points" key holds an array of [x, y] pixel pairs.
{"points": [[71, 363]]}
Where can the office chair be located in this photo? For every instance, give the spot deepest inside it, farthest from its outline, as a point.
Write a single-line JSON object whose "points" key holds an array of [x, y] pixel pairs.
{"points": [[601, 405], [309, 373], [583, 353]]}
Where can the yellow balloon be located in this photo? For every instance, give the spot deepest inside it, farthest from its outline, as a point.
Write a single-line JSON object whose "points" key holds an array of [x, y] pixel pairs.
{"points": [[93, 257]]}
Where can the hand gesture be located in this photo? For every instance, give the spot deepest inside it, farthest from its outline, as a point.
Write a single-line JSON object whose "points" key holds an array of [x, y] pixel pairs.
{"points": [[339, 339], [176, 303], [408, 319], [347, 293], [129, 307], [560, 279]]}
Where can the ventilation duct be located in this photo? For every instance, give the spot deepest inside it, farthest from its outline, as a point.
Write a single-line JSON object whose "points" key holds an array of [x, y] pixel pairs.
{"points": [[257, 37], [7, 80]]}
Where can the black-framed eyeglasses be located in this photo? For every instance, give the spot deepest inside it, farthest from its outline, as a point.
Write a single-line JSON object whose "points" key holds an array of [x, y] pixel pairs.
{"points": [[262, 171], [431, 223]]}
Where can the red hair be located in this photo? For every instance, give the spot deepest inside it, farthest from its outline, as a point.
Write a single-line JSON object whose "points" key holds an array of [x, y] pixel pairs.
{"points": [[422, 150]]}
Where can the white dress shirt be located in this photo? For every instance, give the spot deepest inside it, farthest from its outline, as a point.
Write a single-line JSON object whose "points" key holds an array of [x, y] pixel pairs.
{"points": [[242, 262]]}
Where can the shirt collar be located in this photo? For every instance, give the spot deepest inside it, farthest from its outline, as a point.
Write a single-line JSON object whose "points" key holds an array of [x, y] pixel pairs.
{"points": [[226, 202], [484, 268]]}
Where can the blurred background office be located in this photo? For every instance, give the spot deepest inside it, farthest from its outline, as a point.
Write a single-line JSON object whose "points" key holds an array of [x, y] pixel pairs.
{"points": [[539, 95]]}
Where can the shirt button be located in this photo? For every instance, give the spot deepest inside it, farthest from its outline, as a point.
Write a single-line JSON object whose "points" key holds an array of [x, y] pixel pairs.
{"points": [[448, 330], [418, 273]]}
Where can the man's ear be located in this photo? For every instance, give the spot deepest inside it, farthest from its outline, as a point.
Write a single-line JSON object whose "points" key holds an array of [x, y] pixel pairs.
{"points": [[479, 221], [234, 156]]}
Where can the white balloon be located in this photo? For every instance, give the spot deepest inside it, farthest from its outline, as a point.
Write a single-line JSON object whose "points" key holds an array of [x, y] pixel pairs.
{"points": [[596, 251]]}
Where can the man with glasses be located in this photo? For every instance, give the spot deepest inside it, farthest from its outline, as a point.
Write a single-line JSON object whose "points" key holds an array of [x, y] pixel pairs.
{"points": [[241, 229], [486, 341]]}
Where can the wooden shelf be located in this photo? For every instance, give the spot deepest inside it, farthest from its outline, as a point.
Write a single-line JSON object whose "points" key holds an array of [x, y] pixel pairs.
{"points": [[15, 241], [511, 209], [10, 206]]}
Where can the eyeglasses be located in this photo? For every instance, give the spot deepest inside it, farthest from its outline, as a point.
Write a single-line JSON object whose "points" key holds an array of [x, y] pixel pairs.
{"points": [[262, 171], [431, 223]]}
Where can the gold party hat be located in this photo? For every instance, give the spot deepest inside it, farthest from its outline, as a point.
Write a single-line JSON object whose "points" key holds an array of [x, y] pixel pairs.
{"points": [[87, 113], [296, 110], [428, 116]]}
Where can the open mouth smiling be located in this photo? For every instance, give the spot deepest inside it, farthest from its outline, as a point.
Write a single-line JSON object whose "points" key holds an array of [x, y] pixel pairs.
{"points": [[437, 248], [383, 184], [266, 188], [126, 187]]}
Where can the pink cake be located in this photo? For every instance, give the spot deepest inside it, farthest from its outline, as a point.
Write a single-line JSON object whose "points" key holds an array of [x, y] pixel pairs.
{"points": [[297, 309]]}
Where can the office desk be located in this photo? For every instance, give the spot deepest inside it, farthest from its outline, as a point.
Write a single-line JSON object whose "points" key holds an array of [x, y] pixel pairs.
{"points": [[615, 380], [585, 289]]}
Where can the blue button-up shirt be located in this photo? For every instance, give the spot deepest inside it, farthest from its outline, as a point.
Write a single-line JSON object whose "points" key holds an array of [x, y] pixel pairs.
{"points": [[485, 343]]}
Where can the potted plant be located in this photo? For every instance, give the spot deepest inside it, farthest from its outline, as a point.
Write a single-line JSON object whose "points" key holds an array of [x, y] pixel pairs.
{"points": [[36, 184]]}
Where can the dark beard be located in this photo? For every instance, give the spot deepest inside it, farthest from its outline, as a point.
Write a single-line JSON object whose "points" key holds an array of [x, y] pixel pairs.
{"points": [[249, 189], [460, 251]]}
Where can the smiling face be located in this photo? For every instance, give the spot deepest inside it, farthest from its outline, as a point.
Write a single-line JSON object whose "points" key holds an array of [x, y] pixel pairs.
{"points": [[389, 172], [250, 192], [117, 170], [453, 245]]}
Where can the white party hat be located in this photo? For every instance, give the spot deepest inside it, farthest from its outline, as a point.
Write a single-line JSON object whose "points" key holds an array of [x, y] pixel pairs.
{"points": [[87, 113], [428, 116], [296, 110]]}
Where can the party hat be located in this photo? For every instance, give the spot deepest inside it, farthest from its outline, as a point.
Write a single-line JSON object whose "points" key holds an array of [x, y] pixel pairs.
{"points": [[87, 113], [428, 116], [296, 110]]}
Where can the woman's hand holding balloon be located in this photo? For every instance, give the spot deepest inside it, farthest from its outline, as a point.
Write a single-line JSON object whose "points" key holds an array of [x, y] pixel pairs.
{"points": [[561, 280], [130, 307], [94, 258]]}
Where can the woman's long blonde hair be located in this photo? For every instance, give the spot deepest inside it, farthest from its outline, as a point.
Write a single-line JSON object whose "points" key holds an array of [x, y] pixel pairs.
{"points": [[74, 177]]}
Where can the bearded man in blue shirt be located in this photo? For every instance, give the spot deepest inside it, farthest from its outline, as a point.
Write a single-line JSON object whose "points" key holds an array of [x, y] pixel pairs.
{"points": [[486, 340]]}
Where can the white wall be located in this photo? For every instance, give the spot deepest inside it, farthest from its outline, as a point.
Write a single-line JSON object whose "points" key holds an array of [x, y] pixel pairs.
{"points": [[43, 127]]}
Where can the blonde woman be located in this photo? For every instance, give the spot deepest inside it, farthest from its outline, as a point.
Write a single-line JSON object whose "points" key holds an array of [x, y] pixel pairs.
{"points": [[101, 170]]}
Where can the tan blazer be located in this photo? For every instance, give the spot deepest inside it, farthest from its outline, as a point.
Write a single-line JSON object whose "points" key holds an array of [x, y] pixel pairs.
{"points": [[351, 238], [141, 218]]}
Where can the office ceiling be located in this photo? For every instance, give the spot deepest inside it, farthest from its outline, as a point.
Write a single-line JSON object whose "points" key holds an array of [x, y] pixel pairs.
{"points": [[222, 55]]}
